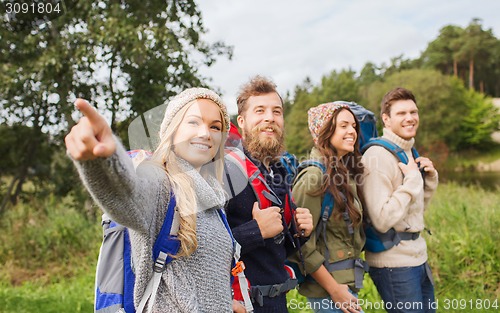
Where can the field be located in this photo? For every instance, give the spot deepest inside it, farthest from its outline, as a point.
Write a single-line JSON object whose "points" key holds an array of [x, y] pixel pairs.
{"points": [[49, 255]]}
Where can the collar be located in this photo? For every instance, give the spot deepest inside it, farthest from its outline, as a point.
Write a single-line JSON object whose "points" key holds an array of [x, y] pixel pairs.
{"points": [[403, 143], [208, 190]]}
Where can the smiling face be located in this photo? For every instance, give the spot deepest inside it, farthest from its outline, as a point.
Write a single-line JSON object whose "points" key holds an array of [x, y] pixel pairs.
{"points": [[402, 119], [262, 125], [199, 135], [344, 137]]}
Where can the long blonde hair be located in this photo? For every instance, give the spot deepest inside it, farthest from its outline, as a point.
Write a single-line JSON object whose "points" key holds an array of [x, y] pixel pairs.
{"points": [[182, 184]]}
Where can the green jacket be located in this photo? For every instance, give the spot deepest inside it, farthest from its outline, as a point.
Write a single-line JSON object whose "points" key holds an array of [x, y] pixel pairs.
{"points": [[341, 245]]}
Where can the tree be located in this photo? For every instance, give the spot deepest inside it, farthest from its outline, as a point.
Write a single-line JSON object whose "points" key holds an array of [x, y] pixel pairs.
{"points": [[370, 73], [446, 109], [439, 54], [125, 55], [470, 53], [476, 49], [482, 120]]}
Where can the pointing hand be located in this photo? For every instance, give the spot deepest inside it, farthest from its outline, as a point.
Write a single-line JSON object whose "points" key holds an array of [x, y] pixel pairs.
{"points": [[91, 137]]}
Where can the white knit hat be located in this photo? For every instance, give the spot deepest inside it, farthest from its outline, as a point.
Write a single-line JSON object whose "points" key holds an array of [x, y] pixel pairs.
{"points": [[185, 97]]}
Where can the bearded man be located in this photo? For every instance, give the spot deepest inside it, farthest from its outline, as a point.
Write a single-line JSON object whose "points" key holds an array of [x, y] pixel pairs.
{"points": [[267, 233]]}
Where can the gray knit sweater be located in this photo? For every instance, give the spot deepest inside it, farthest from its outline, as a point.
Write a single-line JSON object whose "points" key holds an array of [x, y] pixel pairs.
{"points": [[198, 283]]}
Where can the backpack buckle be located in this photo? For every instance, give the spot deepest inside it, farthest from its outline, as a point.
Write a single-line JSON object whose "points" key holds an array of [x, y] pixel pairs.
{"points": [[274, 291], [238, 268], [160, 262]]}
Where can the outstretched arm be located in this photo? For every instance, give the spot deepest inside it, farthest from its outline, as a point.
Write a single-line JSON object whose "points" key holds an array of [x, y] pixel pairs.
{"points": [[107, 171]]}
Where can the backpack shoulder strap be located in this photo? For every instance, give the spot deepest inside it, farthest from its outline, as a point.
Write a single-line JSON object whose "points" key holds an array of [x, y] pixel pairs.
{"points": [[263, 193], [167, 241], [290, 163], [166, 245], [238, 267], [390, 146], [328, 202]]}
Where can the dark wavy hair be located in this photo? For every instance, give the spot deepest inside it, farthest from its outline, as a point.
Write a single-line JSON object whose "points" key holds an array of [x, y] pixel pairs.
{"points": [[340, 170]]}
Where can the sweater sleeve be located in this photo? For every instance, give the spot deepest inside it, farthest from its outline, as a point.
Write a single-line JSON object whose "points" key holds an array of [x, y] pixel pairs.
{"points": [[430, 186], [248, 235], [307, 182], [128, 197], [387, 199]]}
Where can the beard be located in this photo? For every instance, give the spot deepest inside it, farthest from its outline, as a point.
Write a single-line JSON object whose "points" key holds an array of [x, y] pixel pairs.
{"points": [[270, 147]]}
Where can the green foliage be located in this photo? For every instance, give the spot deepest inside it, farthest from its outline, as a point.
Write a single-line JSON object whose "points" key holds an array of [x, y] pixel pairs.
{"points": [[128, 56], [481, 121], [464, 251], [470, 54], [440, 52], [452, 118], [37, 233]]}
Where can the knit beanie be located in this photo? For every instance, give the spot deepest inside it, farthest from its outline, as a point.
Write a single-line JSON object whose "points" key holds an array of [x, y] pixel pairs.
{"points": [[319, 115], [185, 97]]}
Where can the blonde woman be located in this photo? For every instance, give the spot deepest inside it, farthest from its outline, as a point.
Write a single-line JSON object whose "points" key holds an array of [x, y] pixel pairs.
{"points": [[188, 163]]}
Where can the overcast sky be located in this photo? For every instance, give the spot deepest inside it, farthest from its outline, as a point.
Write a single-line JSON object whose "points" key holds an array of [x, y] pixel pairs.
{"points": [[288, 40]]}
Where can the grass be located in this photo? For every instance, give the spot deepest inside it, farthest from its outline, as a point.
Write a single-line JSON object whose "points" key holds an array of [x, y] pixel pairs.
{"points": [[71, 295], [49, 255]]}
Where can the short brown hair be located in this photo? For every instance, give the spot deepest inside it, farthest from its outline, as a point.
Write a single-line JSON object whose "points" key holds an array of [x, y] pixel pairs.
{"points": [[258, 85], [395, 94]]}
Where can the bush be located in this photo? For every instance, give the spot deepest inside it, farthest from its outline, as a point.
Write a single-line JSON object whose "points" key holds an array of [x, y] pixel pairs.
{"points": [[46, 240]]}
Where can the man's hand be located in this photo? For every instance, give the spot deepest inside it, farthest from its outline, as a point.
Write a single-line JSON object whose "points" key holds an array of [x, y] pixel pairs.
{"points": [[426, 165], [406, 168], [269, 220], [91, 137], [304, 221]]}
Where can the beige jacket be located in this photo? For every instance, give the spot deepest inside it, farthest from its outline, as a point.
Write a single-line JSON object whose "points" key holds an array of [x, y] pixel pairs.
{"points": [[396, 201]]}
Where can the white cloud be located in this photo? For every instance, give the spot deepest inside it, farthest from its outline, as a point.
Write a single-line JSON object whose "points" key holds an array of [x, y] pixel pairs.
{"points": [[288, 40]]}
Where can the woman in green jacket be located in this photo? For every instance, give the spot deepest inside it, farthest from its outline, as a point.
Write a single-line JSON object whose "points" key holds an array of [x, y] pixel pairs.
{"points": [[332, 254]]}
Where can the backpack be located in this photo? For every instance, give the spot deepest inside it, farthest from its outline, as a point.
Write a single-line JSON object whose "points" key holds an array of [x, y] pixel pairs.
{"points": [[115, 277]]}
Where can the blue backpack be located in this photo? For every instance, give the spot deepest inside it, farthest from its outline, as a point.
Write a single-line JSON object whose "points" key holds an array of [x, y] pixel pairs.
{"points": [[115, 277]]}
